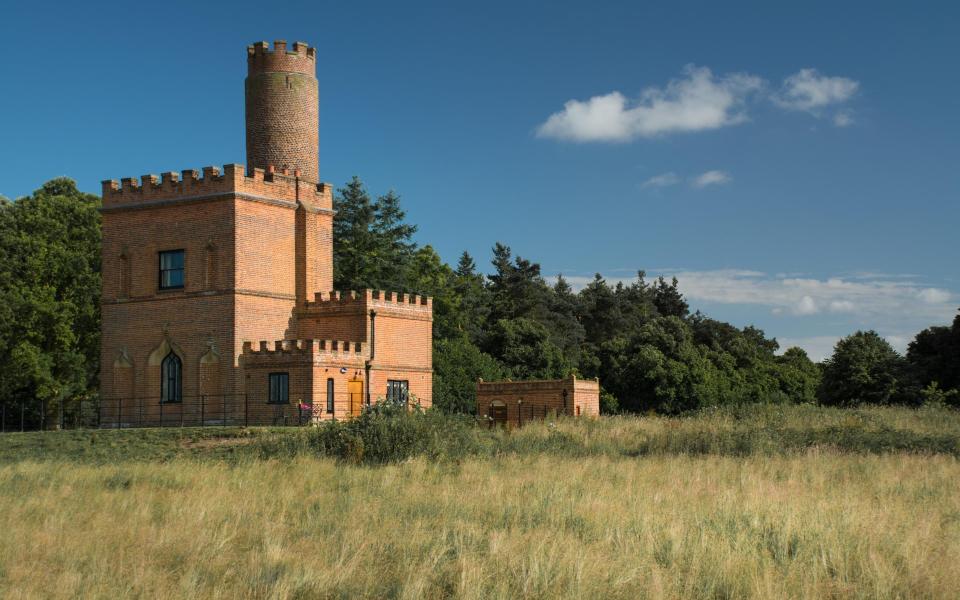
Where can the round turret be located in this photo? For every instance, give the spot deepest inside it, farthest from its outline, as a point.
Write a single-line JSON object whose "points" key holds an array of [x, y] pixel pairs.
{"points": [[282, 108]]}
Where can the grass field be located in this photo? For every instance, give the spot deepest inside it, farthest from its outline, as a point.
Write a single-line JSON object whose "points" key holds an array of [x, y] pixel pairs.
{"points": [[764, 503]]}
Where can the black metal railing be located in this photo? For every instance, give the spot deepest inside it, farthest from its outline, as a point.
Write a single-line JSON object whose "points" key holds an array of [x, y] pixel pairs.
{"points": [[215, 410]]}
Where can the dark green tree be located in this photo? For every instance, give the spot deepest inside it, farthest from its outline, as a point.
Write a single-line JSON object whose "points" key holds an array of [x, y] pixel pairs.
{"points": [[525, 348], [372, 244], [517, 288], [49, 295], [428, 275], [474, 299], [668, 299], [934, 356], [864, 369], [799, 376], [457, 365]]}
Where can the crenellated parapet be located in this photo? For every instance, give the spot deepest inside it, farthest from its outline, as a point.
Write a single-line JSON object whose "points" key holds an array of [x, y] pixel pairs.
{"points": [[301, 58], [317, 351], [369, 300], [271, 184]]}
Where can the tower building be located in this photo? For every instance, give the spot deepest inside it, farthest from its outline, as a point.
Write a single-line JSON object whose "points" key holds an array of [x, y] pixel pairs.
{"points": [[217, 301]]}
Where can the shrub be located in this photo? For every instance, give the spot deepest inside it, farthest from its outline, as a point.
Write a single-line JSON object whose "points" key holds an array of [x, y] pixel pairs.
{"points": [[384, 433]]}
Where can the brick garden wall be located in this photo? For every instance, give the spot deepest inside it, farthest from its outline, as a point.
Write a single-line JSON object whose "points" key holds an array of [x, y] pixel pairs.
{"points": [[526, 400]]}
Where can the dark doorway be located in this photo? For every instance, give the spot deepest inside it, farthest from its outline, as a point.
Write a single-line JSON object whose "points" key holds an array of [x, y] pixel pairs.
{"points": [[498, 413]]}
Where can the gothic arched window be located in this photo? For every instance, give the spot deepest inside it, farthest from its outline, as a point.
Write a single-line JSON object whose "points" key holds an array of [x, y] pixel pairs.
{"points": [[171, 378]]}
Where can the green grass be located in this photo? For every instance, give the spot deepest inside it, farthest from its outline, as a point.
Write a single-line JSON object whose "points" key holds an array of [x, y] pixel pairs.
{"points": [[760, 502], [763, 429]]}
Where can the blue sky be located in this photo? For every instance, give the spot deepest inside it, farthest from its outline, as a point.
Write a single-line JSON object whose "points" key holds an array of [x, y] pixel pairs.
{"points": [[795, 166]]}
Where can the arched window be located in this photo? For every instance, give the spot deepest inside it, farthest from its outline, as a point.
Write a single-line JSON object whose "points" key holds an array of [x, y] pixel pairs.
{"points": [[330, 395], [171, 379]]}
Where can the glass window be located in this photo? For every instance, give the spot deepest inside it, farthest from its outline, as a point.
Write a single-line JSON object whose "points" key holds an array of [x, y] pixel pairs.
{"points": [[398, 391], [279, 388], [330, 395], [171, 270], [171, 379]]}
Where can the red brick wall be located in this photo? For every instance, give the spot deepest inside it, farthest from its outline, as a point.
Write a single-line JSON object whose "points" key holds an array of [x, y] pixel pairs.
{"points": [[308, 371], [282, 109], [138, 317], [535, 399], [420, 384]]}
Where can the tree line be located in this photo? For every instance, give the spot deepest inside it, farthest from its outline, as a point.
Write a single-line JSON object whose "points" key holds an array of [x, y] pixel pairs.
{"points": [[640, 338], [650, 352]]}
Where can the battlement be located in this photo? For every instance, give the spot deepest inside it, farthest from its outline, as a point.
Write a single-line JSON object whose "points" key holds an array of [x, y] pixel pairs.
{"points": [[301, 59], [370, 299], [271, 184], [534, 385], [304, 350]]}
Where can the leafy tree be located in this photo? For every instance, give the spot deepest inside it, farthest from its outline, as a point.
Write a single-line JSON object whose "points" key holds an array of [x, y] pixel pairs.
{"points": [[864, 369], [457, 365], [524, 347], [49, 295], [666, 370], [428, 275], [934, 356], [798, 375]]}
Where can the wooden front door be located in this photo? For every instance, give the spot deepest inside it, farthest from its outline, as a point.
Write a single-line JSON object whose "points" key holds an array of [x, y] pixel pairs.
{"points": [[355, 391]]}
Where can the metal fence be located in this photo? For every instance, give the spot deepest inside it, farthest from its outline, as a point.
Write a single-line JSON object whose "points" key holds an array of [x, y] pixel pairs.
{"points": [[119, 413], [525, 414]]}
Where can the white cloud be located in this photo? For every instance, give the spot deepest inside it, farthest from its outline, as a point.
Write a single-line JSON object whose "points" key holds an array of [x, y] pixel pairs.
{"points": [[934, 295], [806, 306], [843, 118], [711, 178], [662, 180], [899, 342], [842, 306], [809, 90], [697, 101]]}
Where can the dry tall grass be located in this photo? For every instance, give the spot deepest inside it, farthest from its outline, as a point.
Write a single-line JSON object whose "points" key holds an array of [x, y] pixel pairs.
{"points": [[812, 525]]}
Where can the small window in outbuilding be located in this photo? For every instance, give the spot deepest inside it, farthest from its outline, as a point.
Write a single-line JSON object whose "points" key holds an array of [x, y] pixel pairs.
{"points": [[330, 395]]}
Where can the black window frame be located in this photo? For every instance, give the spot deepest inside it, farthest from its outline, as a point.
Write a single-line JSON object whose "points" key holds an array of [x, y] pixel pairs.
{"points": [[171, 383], [161, 271], [398, 387], [331, 389], [282, 388]]}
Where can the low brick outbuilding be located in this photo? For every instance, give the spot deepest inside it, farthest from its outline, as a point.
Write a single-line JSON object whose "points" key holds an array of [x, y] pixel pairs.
{"points": [[512, 403]]}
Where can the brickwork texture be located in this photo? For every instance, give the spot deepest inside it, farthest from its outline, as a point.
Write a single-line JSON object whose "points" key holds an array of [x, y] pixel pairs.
{"points": [[511, 403]]}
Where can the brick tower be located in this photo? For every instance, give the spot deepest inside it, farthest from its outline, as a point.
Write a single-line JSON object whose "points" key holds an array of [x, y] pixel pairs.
{"points": [[217, 303], [282, 108]]}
